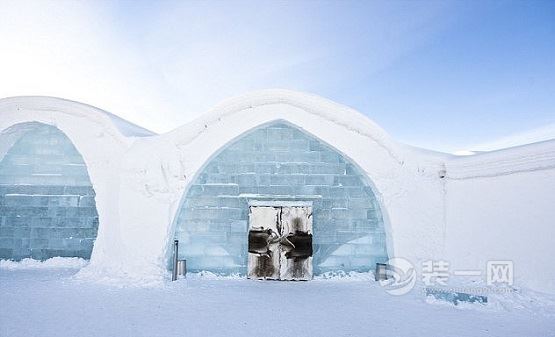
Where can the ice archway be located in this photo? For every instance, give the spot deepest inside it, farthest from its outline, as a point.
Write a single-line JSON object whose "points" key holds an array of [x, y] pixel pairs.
{"points": [[279, 161], [47, 199]]}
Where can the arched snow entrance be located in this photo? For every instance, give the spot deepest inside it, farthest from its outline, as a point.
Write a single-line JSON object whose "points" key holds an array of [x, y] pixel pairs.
{"points": [[46, 196], [279, 162]]}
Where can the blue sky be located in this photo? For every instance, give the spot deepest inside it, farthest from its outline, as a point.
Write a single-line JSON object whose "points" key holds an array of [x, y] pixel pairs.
{"points": [[445, 75]]}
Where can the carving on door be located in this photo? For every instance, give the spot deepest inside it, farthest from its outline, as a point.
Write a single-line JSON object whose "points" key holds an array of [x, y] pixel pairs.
{"points": [[280, 243]]}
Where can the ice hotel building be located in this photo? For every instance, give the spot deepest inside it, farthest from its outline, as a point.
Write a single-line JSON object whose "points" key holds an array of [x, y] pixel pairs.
{"points": [[274, 184]]}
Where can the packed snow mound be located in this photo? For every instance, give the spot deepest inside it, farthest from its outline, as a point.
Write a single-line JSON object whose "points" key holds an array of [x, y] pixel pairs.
{"points": [[128, 128], [55, 262], [524, 158], [94, 114]]}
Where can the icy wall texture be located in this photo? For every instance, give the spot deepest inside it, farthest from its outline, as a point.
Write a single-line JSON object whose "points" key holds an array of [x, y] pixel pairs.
{"points": [[46, 197], [280, 162]]}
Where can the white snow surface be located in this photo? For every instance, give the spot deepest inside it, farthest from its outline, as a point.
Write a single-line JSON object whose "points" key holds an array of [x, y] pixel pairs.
{"points": [[55, 262], [52, 302]]}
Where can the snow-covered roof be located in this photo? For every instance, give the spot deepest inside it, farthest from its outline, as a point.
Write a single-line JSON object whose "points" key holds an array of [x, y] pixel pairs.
{"points": [[46, 103]]}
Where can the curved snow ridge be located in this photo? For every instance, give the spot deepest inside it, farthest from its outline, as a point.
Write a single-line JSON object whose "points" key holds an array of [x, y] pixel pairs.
{"points": [[117, 127], [328, 110], [55, 262], [525, 158]]}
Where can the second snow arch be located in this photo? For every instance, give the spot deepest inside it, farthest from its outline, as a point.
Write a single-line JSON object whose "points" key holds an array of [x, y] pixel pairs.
{"points": [[279, 161]]}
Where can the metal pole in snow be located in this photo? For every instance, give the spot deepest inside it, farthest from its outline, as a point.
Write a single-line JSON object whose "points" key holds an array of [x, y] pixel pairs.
{"points": [[175, 253]]}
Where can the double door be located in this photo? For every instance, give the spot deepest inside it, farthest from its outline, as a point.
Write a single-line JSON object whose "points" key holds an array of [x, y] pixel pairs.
{"points": [[280, 243]]}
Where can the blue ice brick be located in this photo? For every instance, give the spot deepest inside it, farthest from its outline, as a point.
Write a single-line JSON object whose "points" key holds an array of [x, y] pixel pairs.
{"points": [[347, 180], [230, 213], [362, 225], [195, 191], [86, 201], [6, 253], [258, 157], [322, 214], [6, 232], [201, 202], [248, 189], [39, 243], [195, 225], [278, 146], [248, 179], [41, 233], [315, 145], [214, 213], [297, 144], [33, 211], [15, 221], [265, 168], [339, 203], [225, 167], [291, 180], [329, 157], [87, 244], [306, 190], [56, 243], [220, 189], [275, 190], [18, 200], [296, 157], [245, 168], [239, 226], [359, 203], [323, 168], [358, 213], [264, 179], [77, 190], [355, 192], [279, 134], [260, 135], [324, 191], [66, 222], [66, 201], [86, 211], [232, 201], [220, 178], [210, 237], [338, 192], [319, 179]]}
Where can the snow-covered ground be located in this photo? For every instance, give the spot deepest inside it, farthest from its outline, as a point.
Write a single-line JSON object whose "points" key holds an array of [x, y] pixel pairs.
{"points": [[40, 300]]}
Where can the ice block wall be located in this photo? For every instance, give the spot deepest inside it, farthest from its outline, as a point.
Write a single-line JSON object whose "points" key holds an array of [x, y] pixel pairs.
{"points": [[280, 162], [47, 201]]}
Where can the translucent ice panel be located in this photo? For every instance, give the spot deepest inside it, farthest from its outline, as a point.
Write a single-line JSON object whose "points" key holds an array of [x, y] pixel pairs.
{"points": [[47, 203], [280, 162]]}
